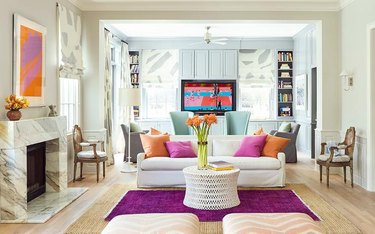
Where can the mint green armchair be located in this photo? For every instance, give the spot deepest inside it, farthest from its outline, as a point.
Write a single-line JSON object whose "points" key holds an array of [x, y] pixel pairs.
{"points": [[178, 122], [236, 122]]}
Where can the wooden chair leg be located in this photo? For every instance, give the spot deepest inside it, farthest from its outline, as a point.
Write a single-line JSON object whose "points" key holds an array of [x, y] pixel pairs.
{"points": [[80, 174], [74, 174], [321, 172], [103, 169], [345, 174], [327, 176], [351, 175], [97, 172]]}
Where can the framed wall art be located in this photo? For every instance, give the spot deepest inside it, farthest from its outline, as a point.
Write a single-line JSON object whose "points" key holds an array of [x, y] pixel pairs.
{"points": [[29, 60], [300, 92]]}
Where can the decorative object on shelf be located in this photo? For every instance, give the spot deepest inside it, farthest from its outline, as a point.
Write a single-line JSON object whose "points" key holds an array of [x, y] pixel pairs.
{"points": [[29, 60], [52, 111], [300, 92], [14, 105], [201, 127]]}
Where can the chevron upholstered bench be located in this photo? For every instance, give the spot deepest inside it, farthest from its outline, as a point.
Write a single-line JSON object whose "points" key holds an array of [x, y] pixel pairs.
{"points": [[288, 223], [153, 223]]}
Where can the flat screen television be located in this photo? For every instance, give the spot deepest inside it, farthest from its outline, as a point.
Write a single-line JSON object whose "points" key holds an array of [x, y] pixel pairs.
{"points": [[208, 96]]}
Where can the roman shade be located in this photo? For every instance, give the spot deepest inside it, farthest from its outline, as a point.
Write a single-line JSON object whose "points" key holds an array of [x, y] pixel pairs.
{"points": [[159, 66]]}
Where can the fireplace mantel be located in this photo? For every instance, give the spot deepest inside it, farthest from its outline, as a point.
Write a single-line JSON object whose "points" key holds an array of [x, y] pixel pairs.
{"points": [[15, 136]]}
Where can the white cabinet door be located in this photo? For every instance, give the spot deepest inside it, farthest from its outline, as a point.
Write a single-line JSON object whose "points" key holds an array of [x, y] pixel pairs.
{"points": [[201, 64], [187, 64], [216, 64], [230, 64]]}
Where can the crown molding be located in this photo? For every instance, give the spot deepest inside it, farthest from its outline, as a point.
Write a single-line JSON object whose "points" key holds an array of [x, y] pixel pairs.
{"points": [[211, 5], [345, 3]]}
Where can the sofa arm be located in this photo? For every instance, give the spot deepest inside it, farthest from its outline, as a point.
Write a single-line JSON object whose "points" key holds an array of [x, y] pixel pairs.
{"points": [[140, 158], [281, 157], [272, 132]]}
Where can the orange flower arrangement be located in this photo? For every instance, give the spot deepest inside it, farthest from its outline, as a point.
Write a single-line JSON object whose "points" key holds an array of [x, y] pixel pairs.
{"points": [[201, 127], [16, 103], [202, 131]]}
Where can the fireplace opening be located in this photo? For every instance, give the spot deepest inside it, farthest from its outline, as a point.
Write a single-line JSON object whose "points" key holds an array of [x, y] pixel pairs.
{"points": [[36, 170]]}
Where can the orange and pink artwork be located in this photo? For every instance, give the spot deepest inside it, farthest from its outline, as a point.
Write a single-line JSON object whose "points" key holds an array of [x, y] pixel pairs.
{"points": [[31, 62], [29, 66]]}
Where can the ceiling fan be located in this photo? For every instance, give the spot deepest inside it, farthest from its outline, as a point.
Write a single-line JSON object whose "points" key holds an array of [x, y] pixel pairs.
{"points": [[208, 39]]}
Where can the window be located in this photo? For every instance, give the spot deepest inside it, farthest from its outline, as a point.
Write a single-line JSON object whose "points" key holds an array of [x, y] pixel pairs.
{"points": [[160, 99], [69, 101], [260, 101], [159, 82], [257, 83]]}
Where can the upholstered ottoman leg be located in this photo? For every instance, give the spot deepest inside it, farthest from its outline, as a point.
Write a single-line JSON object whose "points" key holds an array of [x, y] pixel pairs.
{"points": [[153, 223], [290, 223]]}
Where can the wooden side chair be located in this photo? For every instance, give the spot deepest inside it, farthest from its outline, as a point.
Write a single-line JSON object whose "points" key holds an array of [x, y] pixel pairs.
{"points": [[332, 160], [87, 156]]}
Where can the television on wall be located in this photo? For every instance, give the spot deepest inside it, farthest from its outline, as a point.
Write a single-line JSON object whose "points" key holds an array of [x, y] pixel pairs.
{"points": [[208, 96]]}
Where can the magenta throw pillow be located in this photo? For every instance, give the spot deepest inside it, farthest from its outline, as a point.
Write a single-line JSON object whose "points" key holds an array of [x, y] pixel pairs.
{"points": [[251, 146], [180, 149]]}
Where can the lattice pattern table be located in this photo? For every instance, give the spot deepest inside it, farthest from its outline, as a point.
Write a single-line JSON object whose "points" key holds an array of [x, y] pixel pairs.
{"points": [[211, 190]]}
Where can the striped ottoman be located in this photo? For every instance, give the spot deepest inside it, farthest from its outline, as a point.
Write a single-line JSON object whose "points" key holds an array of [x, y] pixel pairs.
{"points": [[266, 223], [153, 223]]}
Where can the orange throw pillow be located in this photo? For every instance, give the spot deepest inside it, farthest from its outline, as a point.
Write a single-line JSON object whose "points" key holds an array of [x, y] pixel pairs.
{"points": [[154, 131], [153, 145], [274, 145], [259, 131]]}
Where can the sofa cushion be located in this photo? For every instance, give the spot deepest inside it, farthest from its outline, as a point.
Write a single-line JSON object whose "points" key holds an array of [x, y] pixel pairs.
{"points": [[285, 127], [225, 147], [274, 145], [180, 149], [173, 164], [153, 145], [251, 146]]}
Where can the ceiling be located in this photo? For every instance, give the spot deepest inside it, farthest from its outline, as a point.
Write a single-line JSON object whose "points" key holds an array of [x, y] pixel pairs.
{"points": [[155, 29], [211, 5]]}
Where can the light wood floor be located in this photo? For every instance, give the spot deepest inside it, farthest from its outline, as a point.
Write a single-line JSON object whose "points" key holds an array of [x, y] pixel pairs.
{"points": [[356, 204]]}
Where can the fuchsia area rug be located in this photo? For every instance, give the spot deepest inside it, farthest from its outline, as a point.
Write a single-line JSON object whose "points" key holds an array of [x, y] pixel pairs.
{"points": [[171, 201]]}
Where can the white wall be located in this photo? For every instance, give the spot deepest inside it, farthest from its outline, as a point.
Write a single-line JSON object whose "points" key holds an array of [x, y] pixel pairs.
{"points": [[304, 61], [44, 13], [354, 20], [328, 111]]}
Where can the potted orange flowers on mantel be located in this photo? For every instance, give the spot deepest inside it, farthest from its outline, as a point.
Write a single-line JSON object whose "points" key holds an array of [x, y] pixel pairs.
{"points": [[201, 127], [14, 104]]}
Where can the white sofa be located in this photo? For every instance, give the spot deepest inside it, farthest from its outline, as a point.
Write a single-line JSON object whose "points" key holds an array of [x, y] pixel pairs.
{"points": [[254, 172]]}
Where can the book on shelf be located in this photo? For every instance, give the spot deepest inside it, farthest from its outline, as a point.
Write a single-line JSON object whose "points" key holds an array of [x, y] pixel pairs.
{"points": [[285, 56], [284, 66], [285, 97], [134, 69], [285, 74], [220, 166], [133, 59], [285, 111]]}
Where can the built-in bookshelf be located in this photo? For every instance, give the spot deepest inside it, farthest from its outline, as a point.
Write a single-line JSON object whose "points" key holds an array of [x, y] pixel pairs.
{"points": [[285, 83], [134, 68], [134, 59]]}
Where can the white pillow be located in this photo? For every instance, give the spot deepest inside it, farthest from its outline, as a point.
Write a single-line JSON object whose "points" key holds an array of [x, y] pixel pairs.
{"points": [[225, 147]]}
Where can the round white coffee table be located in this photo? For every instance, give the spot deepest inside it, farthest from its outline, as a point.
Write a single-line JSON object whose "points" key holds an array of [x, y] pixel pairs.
{"points": [[211, 190]]}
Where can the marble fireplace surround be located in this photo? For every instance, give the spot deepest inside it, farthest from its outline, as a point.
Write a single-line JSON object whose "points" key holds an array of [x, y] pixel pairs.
{"points": [[15, 136]]}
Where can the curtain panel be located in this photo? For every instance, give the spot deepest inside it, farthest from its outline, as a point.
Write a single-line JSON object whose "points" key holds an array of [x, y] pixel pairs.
{"points": [[159, 66], [257, 67], [70, 46], [108, 96]]}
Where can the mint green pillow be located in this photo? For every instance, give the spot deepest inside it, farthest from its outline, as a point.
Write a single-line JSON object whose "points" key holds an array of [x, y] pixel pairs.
{"points": [[135, 127], [285, 127]]}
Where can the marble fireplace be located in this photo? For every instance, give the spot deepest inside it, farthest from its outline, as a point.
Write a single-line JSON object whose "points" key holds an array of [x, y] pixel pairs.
{"points": [[16, 137]]}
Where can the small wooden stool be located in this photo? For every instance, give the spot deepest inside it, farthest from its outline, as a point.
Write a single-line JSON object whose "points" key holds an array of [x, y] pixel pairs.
{"points": [[266, 223], [153, 223]]}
